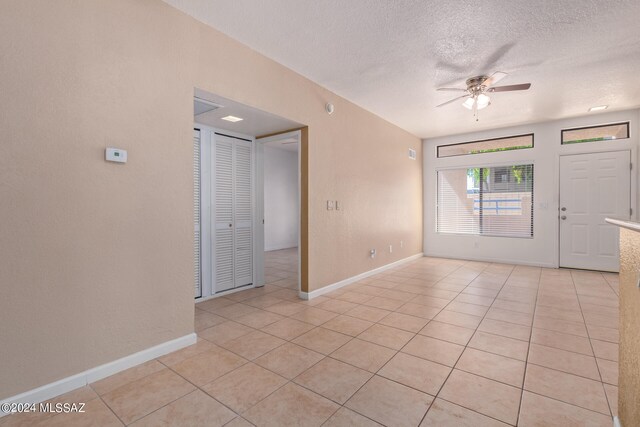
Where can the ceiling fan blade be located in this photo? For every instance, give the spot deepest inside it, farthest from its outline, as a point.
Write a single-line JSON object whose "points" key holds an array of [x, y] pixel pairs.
{"points": [[494, 78], [451, 89], [453, 100], [523, 86]]}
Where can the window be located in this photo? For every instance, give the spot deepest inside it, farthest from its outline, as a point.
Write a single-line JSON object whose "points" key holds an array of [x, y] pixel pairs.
{"points": [[517, 142], [488, 201], [596, 133]]}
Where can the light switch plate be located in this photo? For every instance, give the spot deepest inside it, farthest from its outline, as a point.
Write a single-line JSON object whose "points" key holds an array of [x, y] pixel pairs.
{"points": [[329, 205], [338, 205], [116, 155]]}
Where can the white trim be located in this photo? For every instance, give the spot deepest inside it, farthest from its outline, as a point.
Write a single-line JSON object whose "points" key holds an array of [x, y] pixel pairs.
{"points": [[280, 247], [631, 225], [56, 388], [258, 218], [496, 260], [350, 280], [616, 421]]}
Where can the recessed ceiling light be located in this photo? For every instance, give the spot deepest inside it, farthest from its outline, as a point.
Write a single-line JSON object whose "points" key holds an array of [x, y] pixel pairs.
{"points": [[232, 119], [598, 108]]}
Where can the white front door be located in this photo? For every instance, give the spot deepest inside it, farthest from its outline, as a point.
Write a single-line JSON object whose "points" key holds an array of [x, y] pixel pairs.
{"points": [[593, 187]]}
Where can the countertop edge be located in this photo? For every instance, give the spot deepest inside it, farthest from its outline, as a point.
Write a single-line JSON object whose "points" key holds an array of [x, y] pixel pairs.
{"points": [[631, 225]]}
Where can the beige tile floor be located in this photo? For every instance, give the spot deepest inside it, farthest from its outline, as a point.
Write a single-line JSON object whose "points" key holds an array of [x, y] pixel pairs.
{"points": [[435, 342]]}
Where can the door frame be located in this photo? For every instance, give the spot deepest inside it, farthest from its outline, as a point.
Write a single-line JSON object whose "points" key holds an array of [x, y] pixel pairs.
{"points": [[207, 207], [259, 244], [577, 149]]}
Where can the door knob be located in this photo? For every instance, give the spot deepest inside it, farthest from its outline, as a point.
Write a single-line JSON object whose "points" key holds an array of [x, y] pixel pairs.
{"points": [[563, 217], [563, 209]]}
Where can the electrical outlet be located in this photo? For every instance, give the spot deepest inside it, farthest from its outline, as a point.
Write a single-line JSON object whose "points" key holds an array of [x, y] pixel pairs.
{"points": [[329, 205], [390, 249], [372, 253]]}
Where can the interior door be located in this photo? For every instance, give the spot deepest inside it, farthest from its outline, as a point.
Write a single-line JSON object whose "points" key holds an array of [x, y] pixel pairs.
{"points": [[593, 187], [233, 195], [223, 235], [196, 214], [243, 216]]}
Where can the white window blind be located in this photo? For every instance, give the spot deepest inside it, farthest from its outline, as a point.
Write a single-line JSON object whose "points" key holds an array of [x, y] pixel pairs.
{"points": [[490, 201]]}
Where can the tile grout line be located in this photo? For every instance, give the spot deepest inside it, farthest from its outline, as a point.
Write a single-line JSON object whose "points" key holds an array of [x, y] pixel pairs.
{"points": [[465, 347], [110, 409], [483, 317], [595, 359], [382, 367], [526, 363]]}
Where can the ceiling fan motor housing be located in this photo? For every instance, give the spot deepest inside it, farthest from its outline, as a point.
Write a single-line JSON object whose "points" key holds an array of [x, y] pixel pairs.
{"points": [[474, 84]]}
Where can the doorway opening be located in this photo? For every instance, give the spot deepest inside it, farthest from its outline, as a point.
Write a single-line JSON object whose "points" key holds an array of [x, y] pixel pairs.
{"points": [[248, 216], [281, 204]]}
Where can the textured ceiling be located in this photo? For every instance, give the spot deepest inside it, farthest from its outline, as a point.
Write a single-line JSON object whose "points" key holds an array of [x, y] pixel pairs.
{"points": [[389, 56]]}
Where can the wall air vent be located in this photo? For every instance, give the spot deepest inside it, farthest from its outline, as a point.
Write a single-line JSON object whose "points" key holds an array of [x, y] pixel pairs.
{"points": [[412, 154]]}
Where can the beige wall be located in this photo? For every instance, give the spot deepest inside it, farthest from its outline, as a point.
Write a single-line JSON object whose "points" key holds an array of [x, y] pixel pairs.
{"points": [[629, 375], [96, 258]]}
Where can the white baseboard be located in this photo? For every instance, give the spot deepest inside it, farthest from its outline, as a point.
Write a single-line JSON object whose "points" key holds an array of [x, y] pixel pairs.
{"points": [[616, 422], [281, 247], [350, 280], [73, 382], [491, 259]]}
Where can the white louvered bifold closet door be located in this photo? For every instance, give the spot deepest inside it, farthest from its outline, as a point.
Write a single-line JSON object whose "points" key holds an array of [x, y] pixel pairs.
{"points": [[196, 214], [243, 201], [223, 198]]}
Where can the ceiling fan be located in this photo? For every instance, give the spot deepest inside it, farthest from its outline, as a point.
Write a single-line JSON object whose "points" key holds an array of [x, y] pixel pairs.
{"points": [[477, 89]]}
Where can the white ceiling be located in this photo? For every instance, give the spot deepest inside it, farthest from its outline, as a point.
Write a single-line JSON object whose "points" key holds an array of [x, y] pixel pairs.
{"points": [[255, 122], [390, 56]]}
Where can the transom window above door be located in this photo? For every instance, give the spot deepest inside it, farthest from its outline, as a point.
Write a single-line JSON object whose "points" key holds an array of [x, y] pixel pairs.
{"points": [[596, 133], [493, 145]]}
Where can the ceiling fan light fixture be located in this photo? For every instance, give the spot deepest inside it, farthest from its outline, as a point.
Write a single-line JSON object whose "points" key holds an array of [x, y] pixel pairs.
{"points": [[475, 95], [483, 101], [468, 104]]}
